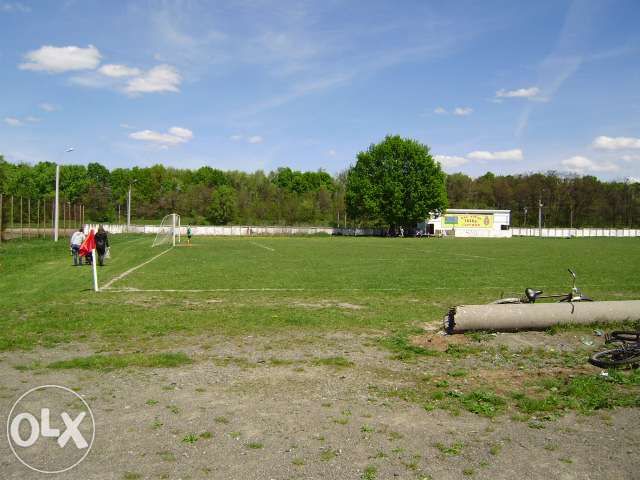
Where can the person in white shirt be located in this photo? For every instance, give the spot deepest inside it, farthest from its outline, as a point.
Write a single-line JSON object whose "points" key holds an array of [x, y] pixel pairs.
{"points": [[76, 241]]}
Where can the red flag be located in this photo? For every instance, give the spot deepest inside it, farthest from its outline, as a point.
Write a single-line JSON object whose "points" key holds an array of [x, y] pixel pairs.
{"points": [[88, 245]]}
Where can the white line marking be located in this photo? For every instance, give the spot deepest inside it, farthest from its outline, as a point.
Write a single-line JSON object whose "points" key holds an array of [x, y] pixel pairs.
{"points": [[267, 289], [262, 246], [122, 275], [472, 256]]}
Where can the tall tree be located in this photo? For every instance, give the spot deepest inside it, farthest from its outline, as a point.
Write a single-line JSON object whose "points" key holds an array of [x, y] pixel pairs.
{"points": [[396, 182]]}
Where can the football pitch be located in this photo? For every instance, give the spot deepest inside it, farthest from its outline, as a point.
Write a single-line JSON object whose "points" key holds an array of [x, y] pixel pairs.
{"points": [[269, 283], [320, 358], [242, 285]]}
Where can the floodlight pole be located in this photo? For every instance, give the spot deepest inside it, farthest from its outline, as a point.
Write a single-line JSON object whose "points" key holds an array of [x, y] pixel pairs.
{"points": [[56, 207]]}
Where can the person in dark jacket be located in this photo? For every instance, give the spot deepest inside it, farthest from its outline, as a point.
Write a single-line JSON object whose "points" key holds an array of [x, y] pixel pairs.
{"points": [[102, 244]]}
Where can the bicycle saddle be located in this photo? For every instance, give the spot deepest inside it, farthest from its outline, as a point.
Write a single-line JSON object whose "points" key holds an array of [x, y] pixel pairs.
{"points": [[532, 294]]}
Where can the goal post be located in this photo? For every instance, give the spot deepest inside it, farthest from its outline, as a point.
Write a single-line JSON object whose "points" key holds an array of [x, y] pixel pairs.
{"points": [[168, 231]]}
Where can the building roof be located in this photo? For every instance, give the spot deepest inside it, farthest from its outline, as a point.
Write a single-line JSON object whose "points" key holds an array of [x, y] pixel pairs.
{"points": [[474, 210]]}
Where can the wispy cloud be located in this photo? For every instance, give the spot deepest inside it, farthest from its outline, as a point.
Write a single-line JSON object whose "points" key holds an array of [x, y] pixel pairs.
{"points": [[119, 71], [14, 7], [458, 111], [48, 107], [462, 111], [566, 58], [252, 139], [13, 122]]}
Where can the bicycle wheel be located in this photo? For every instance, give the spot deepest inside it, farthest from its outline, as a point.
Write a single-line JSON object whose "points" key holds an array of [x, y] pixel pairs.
{"points": [[624, 336], [614, 358]]}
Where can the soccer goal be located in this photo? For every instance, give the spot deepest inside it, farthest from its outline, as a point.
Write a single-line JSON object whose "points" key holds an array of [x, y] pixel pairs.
{"points": [[169, 231]]}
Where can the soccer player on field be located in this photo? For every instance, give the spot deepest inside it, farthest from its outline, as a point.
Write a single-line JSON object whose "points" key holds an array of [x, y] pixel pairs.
{"points": [[189, 235]]}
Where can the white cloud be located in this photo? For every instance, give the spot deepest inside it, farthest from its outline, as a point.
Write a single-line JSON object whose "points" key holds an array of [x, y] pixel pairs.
{"points": [[181, 133], [11, 7], [448, 161], [48, 107], [118, 71], [518, 93], [631, 158], [14, 122], [253, 139], [515, 154], [175, 136], [633, 180], [332, 152], [580, 164], [62, 59], [33, 119], [127, 126], [616, 143], [440, 111], [163, 78], [463, 111]]}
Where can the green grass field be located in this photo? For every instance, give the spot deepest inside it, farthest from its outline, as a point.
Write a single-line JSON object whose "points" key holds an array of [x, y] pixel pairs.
{"points": [[250, 285]]}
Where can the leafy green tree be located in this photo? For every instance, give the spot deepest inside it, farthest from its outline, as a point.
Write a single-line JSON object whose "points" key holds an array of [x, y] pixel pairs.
{"points": [[223, 205], [396, 182]]}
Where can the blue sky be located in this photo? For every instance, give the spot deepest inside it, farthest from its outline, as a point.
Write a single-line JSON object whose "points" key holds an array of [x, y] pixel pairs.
{"points": [[250, 84]]}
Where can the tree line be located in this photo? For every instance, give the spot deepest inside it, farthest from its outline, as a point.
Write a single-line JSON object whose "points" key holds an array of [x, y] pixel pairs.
{"points": [[289, 197]]}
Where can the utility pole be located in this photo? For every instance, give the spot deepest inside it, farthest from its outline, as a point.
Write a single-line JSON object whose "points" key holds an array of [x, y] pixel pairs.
{"points": [[56, 214], [571, 217], [0, 217], [540, 216], [129, 205]]}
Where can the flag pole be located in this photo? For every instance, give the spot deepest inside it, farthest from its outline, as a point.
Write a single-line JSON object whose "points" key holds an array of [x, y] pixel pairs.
{"points": [[94, 260]]}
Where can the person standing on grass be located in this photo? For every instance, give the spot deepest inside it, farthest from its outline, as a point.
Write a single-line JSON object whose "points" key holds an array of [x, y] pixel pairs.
{"points": [[102, 243], [76, 241], [189, 235]]}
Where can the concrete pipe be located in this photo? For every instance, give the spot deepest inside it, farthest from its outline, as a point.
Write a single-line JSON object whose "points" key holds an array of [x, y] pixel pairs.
{"points": [[511, 317]]}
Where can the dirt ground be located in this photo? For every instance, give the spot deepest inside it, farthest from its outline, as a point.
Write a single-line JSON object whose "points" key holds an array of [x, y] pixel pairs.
{"points": [[263, 408]]}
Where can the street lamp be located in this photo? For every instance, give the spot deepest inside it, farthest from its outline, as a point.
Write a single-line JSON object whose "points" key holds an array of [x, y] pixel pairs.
{"points": [[129, 204], [57, 205]]}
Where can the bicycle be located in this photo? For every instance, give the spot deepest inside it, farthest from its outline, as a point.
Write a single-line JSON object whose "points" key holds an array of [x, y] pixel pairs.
{"points": [[627, 353], [531, 295]]}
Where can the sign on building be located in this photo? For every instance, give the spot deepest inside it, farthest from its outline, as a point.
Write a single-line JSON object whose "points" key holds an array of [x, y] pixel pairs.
{"points": [[465, 220]]}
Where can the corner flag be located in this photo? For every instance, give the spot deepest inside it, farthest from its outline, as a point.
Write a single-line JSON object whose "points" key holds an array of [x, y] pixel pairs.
{"points": [[89, 246]]}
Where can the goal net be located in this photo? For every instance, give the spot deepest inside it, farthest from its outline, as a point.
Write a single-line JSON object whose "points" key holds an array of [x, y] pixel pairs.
{"points": [[169, 231]]}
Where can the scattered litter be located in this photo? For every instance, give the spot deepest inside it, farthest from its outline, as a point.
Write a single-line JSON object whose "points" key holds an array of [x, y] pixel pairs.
{"points": [[604, 374], [586, 341], [598, 333]]}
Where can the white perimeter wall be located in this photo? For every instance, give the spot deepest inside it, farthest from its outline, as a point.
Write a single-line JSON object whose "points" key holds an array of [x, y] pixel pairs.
{"points": [[214, 230], [459, 232], [576, 232]]}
